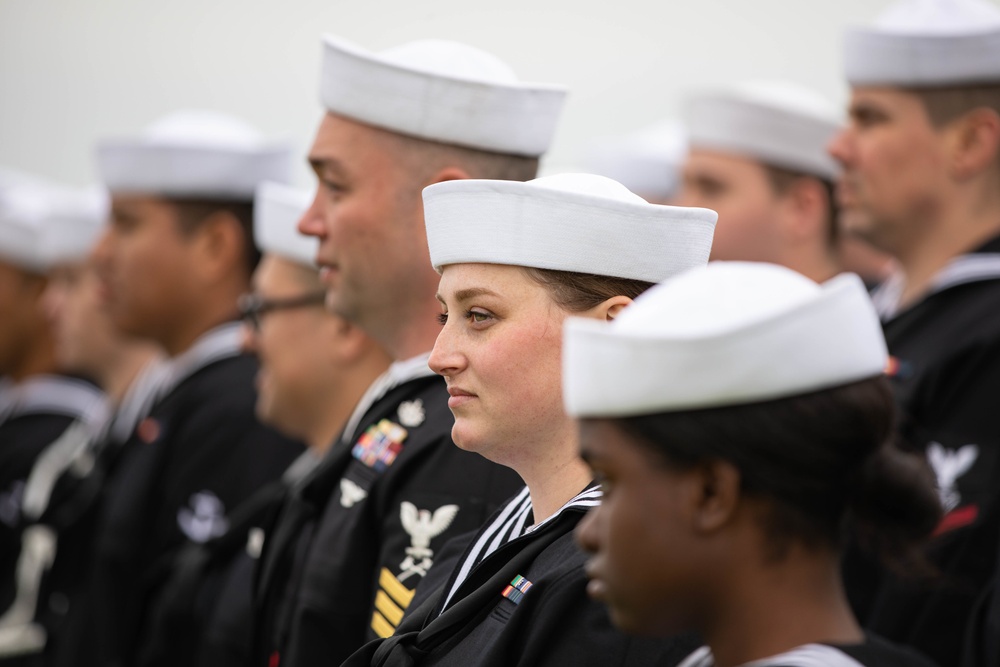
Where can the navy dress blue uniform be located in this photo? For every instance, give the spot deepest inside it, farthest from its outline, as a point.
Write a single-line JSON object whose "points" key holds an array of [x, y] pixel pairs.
{"points": [[518, 596], [945, 372], [199, 453], [341, 563], [32, 417]]}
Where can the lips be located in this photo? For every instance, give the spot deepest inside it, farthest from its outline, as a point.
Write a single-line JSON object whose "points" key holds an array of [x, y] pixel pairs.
{"points": [[596, 588], [459, 397]]}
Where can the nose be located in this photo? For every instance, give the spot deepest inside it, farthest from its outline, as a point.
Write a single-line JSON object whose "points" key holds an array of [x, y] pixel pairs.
{"points": [[311, 222], [101, 254], [445, 358], [586, 531], [839, 147]]}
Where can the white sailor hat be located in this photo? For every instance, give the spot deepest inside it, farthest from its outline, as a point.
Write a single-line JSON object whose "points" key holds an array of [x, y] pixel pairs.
{"points": [[276, 214], [73, 224], [567, 222], [22, 211], [194, 153], [42, 224], [778, 123], [442, 91], [726, 334], [927, 43], [647, 161]]}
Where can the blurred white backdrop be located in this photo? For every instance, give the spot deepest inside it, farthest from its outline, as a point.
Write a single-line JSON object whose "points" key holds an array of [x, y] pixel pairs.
{"points": [[73, 71]]}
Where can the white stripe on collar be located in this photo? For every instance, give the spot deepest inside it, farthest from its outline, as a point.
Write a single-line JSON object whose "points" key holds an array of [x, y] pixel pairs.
{"points": [[970, 268], [222, 342], [399, 372], [807, 655], [510, 524], [56, 394]]}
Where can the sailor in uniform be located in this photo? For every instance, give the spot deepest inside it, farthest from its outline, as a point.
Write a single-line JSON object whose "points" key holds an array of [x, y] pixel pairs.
{"points": [[560, 245], [921, 161], [737, 416], [177, 255], [314, 368], [647, 161], [39, 403], [758, 157], [352, 542]]}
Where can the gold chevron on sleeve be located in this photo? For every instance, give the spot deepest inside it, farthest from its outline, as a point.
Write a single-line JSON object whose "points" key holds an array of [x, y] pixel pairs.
{"points": [[391, 601], [382, 627], [397, 591]]}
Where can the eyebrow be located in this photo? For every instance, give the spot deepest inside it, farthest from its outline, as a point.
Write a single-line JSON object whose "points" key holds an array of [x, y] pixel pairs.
{"points": [[468, 293], [320, 164]]}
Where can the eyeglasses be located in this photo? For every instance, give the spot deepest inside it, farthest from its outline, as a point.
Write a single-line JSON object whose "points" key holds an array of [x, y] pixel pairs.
{"points": [[253, 307]]}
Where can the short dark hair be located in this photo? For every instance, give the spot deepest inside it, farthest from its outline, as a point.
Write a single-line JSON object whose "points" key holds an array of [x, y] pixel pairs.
{"points": [[426, 157], [946, 103], [191, 212], [826, 461], [782, 179], [578, 292]]}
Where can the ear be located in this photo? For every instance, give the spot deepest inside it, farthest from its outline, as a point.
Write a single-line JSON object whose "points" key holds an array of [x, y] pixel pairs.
{"points": [[975, 143], [714, 496], [806, 205], [608, 309], [451, 173], [219, 241]]}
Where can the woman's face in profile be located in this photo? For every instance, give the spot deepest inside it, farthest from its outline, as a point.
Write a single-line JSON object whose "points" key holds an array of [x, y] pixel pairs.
{"points": [[500, 352]]}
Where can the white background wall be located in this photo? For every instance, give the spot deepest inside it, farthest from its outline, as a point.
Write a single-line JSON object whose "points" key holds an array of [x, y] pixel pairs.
{"points": [[73, 71]]}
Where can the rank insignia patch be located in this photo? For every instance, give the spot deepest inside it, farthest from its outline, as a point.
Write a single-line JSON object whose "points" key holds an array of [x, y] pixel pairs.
{"points": [[391, 601], [380, 445], [517, 589]]}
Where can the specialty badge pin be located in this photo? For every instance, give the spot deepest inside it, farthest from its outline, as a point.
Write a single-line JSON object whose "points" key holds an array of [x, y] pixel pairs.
{"points": [[379, 446], [411, 413]]}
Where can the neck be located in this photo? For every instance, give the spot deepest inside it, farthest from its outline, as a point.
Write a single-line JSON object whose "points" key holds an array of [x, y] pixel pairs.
{"points": [[553, 473], [412, 335], [772, 608], [186, 333], [818, 264], [119, 374], [960, 229], [334, 412], [38, 359]]}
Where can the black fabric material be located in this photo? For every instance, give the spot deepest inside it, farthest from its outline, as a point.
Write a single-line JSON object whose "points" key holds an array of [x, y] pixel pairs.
{"points": [[22, 439], [202, 436], [208, 581], [320, 571], [948, 353], [554, 623]]}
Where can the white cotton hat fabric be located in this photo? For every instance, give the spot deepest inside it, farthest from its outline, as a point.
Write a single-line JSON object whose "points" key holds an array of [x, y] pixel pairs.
{"points": [[775, 122], [567, 222], [442, 91], [926, 43], [276, 214], [726, 334], [74, 222], [194, 153], [647, 161], [44, 224]]}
